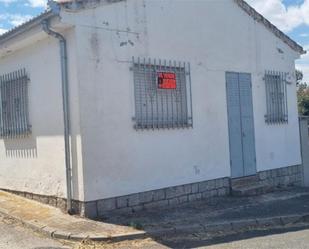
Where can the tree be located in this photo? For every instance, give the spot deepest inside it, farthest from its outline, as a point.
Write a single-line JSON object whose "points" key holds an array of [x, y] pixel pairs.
{"points": [[299, 76], [302, 94]]}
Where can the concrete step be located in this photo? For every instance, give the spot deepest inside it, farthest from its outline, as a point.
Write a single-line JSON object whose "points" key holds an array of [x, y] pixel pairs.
{"points": [[252, 189], [245, 181]]}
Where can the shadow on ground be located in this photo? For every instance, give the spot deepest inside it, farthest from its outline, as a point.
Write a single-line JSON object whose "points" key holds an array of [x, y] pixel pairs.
{"points": [[216, 210], [203, 240]]}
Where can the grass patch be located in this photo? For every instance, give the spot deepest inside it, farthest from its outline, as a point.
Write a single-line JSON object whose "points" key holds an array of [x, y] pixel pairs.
{"points": [[136, 225]]}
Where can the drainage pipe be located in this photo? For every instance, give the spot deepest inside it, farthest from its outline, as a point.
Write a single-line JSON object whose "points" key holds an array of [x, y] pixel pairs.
{"points": [[66, 111]]}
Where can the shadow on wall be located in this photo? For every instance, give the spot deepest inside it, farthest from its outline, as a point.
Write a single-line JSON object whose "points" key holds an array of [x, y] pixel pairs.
{"points": [[21, 148], [75, 182]]}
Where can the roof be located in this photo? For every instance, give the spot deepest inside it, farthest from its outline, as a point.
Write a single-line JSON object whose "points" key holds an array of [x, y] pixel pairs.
{"points": [[241, 3], [26, 26], [272, 28]]}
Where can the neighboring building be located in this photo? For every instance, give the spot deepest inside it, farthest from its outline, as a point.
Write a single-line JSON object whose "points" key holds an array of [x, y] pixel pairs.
{"points": [[165, 96]]}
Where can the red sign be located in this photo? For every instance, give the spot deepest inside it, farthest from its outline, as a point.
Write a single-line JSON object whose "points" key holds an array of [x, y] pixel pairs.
{"points": [[167, 80]]}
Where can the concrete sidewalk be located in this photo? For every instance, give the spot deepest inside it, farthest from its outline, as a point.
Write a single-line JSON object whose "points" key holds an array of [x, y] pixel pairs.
{"points": [[218, 214], [54, 223]]}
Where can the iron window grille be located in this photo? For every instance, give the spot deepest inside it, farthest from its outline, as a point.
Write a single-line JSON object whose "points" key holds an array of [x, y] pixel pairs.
{"points": [[160, 104], [276, 97], [14, 113]]}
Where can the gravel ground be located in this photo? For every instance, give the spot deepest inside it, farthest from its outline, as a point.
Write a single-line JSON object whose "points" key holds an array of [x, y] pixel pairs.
{"points": [[14, 236]]}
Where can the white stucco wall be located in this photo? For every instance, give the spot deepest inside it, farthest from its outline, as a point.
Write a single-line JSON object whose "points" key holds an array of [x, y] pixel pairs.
{"points": [[36, 164], [276, 145], [215, 37]]}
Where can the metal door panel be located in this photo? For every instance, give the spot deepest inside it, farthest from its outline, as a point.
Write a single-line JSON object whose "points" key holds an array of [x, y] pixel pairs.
{"points": [[234, 122], [246, 109], [241, 126]]}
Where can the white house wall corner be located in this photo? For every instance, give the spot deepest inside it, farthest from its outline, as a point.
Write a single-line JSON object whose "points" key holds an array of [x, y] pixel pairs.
{"points": [[110, 157]]}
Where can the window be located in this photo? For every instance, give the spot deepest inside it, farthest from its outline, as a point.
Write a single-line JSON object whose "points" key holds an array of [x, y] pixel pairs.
{"points": [[14, 116], [276, 98], [162, 94]]}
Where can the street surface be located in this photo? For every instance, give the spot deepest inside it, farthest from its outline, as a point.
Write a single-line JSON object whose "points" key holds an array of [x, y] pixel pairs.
{"points": [[14, 235], [288, 240]]}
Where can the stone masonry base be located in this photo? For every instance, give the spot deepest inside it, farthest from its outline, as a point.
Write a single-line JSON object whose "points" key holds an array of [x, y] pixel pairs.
{"points": [[45, 199], [281, 177], [171, 196], [157, 198]]}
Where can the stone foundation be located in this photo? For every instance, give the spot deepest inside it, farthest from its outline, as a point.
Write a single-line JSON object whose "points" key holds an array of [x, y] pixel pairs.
{"points": [[171, 196], [45, 199], [157, 198], [281, 177]]}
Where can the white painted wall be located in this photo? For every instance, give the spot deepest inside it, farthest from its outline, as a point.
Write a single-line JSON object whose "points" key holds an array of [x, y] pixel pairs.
{"points": [[215, 37], [36, 164], [276, 145]]}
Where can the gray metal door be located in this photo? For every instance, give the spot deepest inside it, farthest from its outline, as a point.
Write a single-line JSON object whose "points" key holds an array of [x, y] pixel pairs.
{"points": [[241, 124]]}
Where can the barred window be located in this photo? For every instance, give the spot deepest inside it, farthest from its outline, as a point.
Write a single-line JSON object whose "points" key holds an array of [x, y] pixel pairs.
{"points": [[162, 94], [276, 97], [14, 116]]}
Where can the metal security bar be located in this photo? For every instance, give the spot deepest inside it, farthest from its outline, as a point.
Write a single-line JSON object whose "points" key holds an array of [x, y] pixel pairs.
{"points": [[14, 114], [156, 107], [276, 97]]}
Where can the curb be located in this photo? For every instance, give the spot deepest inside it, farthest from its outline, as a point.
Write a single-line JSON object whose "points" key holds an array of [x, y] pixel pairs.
{"points": [[58, 234], [236, 225]]}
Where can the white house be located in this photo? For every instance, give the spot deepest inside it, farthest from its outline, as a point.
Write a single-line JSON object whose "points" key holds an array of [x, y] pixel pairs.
{"points": [[130, 104]]}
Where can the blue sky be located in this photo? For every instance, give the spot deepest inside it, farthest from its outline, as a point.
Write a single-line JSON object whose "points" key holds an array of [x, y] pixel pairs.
{"points": [[15, 12], [291, 16]]}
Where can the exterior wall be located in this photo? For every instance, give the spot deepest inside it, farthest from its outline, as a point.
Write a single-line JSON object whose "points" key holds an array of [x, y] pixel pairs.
{"points": [[36, 164], [273, 142], [119, 160], [282, 177], [163, 198], [159, 198], [271, 180]]}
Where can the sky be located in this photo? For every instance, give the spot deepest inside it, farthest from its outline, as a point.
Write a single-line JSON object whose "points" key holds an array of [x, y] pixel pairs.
{"points": [[291, 16]]}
